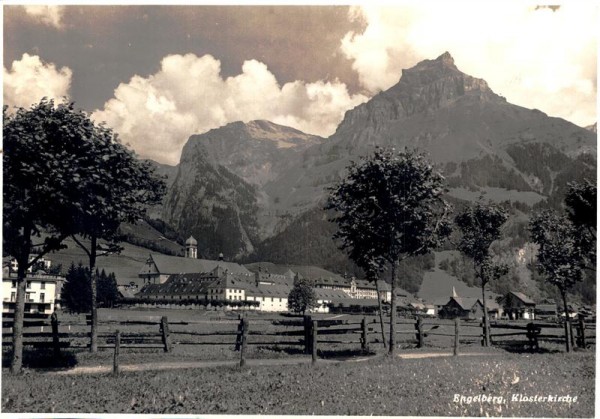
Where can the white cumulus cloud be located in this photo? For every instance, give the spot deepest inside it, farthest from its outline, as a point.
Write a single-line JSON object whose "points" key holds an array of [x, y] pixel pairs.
{"points": [[48, 15], [542, 58], [30, 79], [188, 95]]}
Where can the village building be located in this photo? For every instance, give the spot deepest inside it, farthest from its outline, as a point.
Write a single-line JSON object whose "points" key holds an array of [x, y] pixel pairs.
{"points": [[517, 305], [42, 292], [158, 267], [469, 308]]}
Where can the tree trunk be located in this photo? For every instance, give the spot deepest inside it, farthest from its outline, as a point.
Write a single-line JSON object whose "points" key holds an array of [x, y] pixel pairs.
{"points": [[567, 320], [23, 259], [380, 313], [393, 313], [94, 285], [486, 321], [17, 355]]}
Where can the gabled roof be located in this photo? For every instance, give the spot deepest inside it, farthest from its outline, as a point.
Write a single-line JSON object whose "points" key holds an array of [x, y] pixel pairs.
{"points": [[280, 291], [174, 264], [230, 280], [466, 303], [522, 297], [271, 268]]}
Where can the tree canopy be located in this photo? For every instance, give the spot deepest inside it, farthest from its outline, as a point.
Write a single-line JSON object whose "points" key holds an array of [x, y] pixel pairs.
{"points": [[480, 225], [64, 176], [389, 207], [302, 296], [561, 257]]}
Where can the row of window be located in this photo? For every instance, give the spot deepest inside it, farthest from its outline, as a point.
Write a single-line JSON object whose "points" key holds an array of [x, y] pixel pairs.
{"points": [[28, 299], [42, 285]]}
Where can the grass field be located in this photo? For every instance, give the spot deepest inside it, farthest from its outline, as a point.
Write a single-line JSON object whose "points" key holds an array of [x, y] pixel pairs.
{"points": [[379, 386]]}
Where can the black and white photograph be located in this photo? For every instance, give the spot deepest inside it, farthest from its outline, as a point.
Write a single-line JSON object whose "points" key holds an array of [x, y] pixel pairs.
{"points": [[310, 209]]}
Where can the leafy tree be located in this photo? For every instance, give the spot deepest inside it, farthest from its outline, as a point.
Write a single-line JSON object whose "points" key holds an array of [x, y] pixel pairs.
{"points": [[120, 188], [42, 189], [480, 226], [63, 176], [389, 208], [561, 257], [302, 297]]}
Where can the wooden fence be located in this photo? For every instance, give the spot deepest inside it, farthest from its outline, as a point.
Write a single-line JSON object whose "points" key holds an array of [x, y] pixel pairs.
{"points": [[308, 333]]}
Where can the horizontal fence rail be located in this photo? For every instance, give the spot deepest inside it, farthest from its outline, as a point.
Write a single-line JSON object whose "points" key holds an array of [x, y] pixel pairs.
{"points": [[158, 333]]}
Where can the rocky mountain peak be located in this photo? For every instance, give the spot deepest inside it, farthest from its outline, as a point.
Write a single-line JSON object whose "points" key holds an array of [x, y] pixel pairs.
{"points": [[422, 89]]}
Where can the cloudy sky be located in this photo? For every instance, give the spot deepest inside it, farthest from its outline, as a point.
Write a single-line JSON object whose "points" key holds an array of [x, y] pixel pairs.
{"points": [[157, 74]]}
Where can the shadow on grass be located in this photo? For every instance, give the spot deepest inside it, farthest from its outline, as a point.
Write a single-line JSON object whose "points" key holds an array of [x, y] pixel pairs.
{"points": [[343, 353], [523, 348], [42, 359], [322, 353]]}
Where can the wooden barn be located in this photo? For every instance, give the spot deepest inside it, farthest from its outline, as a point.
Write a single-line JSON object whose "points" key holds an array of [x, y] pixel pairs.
{"points": [[462, 307], [517, 305]]}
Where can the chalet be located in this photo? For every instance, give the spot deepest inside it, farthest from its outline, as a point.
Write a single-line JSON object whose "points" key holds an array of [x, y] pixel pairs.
{"points": [[463, 308], [517, 305], [158, 268]]}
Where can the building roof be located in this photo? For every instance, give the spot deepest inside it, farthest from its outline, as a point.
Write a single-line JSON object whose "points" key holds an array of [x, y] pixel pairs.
{"points": [[280, 291], [325, 294], [229, 280], [191, 241], [270, 268], [522, 297], [546, 308], [466, 303], [274, 279], [174, 264]]}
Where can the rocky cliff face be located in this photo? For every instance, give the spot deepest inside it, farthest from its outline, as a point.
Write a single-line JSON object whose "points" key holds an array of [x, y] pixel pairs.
{"points": [[214, 205], [257, 151]]}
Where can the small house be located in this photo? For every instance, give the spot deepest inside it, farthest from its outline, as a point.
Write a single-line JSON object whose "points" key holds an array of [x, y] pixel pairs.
{"points": [[517, 305], [462, 308]]}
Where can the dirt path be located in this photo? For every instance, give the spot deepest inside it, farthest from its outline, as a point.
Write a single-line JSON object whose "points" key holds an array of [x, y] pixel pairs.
{"points": [[161, 366]]}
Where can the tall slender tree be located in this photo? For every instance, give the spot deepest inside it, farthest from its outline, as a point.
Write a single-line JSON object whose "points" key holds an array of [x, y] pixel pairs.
{"points": [[120, 187], [389, 207], [561, 257], [480, 226]]}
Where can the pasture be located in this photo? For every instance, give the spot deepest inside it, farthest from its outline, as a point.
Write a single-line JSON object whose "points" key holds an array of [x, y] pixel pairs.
{"points": [[362, 381]]}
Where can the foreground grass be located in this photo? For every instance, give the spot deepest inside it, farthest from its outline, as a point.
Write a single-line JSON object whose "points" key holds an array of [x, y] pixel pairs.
{"points": [[381, 386]]}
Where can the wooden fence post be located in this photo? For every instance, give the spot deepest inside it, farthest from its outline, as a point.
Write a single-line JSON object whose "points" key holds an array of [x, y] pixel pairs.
{"points": [[116, 357], [571, 336], [238, 339], [482, 324], [581, 338], [314, 341], [364, 344], [456, 335], [55, 341], [243, 342], [307, 334], [164, 328], [420, 336]]}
